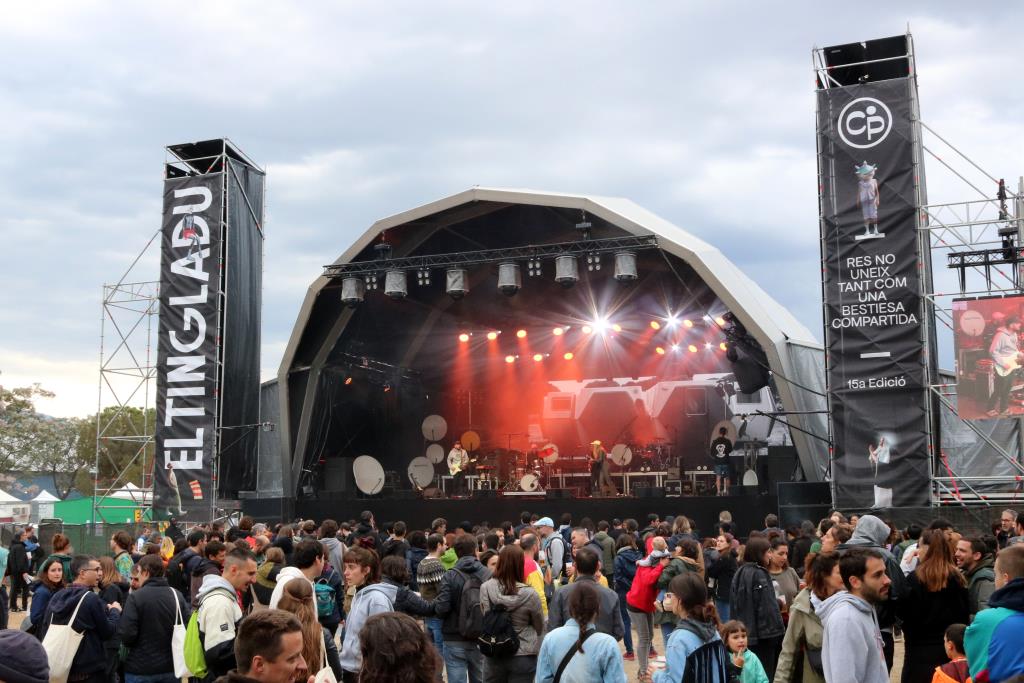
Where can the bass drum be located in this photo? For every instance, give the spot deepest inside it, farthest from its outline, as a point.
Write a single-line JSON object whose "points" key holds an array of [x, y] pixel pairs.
{"points": [[530, 482]]}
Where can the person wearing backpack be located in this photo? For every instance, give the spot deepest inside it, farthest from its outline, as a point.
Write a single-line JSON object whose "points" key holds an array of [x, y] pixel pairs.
{"points": [[395, 571], [458, 604], [307, 563], [147, 625], [86, 613], [329, 594], [578, 652], [181, 566], [695, 651], [220, 609], [362, 571], [513, 621]]}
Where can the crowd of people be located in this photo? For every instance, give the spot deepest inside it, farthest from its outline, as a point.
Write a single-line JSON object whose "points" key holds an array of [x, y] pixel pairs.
{"points": [[526, 601]]}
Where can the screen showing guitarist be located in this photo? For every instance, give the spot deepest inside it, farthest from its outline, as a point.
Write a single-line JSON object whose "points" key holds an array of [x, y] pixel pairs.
{"points": [[1006, 359], [458, 461]]}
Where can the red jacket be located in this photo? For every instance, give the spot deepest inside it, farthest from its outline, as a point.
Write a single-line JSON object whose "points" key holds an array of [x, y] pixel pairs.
{"points": [[644, 590]]}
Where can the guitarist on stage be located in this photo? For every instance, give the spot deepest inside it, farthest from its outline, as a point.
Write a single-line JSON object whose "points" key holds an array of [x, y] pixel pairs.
{"points": [[600, 481], [1006, 358], [458, 461]]}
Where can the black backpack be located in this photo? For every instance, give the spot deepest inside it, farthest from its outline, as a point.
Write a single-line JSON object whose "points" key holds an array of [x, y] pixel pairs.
{"points": [[471, 615], [176, 572], [498, 638], [708, 662]]}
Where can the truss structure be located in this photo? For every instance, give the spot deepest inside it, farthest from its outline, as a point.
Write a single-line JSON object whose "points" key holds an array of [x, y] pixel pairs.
{"points": [[127, 375]]}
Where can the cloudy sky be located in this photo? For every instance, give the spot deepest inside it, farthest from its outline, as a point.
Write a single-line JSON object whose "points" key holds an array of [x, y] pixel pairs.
{"points": [[701, 112]]}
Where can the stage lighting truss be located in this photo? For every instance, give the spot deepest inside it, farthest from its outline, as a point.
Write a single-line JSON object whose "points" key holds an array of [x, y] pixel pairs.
{"points": [[533, 255]]}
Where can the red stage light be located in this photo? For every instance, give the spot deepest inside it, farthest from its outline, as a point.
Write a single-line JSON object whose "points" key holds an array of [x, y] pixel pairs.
{"points": [[538, 357], [510, 359], [558, 331], [568, 355], [491, 336], [693, 349], [655, 325], [587, 329], [660, 351], [521, 334], [723, 346], [463, 337], [687, 323]]}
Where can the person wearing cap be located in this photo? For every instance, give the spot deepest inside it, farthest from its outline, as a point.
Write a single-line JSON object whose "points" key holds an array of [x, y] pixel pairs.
{"points": [[555, 550], [24, 659]]}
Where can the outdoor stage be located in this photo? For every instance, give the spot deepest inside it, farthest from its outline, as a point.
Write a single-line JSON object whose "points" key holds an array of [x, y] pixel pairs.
{"points": [[748, 510]]}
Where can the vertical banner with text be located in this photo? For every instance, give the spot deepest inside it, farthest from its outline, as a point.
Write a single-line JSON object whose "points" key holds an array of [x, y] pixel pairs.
{"points": [[189, 330], [872, 289]]}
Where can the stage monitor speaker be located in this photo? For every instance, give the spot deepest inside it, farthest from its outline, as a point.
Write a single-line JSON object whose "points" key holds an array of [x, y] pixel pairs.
{"points": [[485, 493], [673, 487], [337, 474], [557, 494], [432, 492], [649, 491]]}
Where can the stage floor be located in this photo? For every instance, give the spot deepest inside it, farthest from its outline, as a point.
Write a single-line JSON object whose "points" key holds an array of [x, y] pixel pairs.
{"points": [[748, 511]]}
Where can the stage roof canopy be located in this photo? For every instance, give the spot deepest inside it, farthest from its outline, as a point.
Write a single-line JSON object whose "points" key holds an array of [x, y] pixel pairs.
{"points": [[483, 218]]}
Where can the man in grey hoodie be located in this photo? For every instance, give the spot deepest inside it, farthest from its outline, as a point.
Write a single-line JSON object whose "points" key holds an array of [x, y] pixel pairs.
{"points": [[872, 533], [852, 645], [329, 539]]}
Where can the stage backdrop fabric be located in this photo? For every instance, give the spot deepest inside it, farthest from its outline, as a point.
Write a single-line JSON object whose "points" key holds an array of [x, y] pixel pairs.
{"points": [[872, 295]]}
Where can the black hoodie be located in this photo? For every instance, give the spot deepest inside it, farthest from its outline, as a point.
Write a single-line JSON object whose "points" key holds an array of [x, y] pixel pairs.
{"points": [[94, 620]]}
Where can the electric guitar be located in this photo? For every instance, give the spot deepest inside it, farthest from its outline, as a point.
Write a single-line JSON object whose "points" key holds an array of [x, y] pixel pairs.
{"points": [[455, 463], [1006, 365]]}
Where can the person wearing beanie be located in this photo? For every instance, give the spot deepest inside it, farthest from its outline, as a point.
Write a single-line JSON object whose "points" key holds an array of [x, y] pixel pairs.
{"points": [[24, 659]]}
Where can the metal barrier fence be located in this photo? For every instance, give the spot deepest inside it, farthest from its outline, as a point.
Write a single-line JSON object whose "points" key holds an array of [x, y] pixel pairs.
{"points": [[86, 539]]}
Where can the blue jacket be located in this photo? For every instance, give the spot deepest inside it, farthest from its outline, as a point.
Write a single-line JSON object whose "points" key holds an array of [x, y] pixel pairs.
{"points": [[600, 660], [993, 640], [94, 619], [685, 639], [373, 599], [625, 568], [40, 599]]}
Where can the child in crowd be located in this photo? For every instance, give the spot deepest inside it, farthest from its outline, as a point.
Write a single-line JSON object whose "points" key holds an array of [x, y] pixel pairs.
{"points": [[955, 670], [744, 666]]}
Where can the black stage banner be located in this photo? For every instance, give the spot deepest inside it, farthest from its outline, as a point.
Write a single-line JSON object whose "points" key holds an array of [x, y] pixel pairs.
{"points": [[873, 306], [186, 377]]}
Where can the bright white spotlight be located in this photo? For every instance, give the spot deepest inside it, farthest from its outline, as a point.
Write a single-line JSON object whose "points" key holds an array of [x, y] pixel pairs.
{"points": [[601, 325], [675, 347], [707, 345]]}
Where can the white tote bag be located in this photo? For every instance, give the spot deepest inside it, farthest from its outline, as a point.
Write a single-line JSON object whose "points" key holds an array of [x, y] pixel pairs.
{"points": [[178, 640], [61, 644], [325, 674]]}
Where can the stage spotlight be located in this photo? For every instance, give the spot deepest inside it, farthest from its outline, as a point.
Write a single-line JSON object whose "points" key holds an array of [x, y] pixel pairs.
{"points": [[593, 262], [492, 335], [720, 321], [387, 387], [707, 345], [521, 334], [625, 266], [510, 359], [655, 325], [616, 328], [348, 380], [371, 281], [558, 331], [688, 324], [457, 283], [723, 346], [692, 348], [533, 267], [422, 277], [566, 271], [567, 355], [660, 351], [587, 329], [672, 320], [353, 290], [395, 285], [510, 278], [675, 347], [463, 337], [538, 357]]}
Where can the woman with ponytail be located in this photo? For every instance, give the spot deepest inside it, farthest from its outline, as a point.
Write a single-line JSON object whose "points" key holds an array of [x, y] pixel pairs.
{"points": [[695, 650], [577, 652], [317, 643]]}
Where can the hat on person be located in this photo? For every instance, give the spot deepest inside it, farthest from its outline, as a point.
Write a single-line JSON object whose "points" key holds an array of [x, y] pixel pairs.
{"points": [[24, 659], [545, 521]]}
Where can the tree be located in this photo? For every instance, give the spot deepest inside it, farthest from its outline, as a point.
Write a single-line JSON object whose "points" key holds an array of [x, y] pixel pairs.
{"points": [[30, 441], [124, 433]]}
